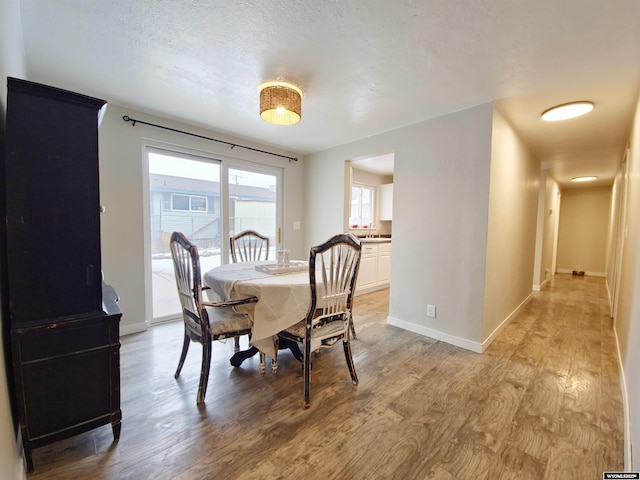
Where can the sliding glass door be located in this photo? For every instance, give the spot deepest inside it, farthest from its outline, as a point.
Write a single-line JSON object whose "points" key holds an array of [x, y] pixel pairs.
{"points": [[208, 200]]}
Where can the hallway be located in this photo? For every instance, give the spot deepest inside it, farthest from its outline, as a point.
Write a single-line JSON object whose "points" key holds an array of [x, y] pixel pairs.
{"points": [[562, 349], [543, 402]]}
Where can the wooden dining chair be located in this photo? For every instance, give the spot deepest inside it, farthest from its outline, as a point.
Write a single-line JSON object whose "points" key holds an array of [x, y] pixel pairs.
{"points": [[333, 269], [249, 246], [204, 322]]}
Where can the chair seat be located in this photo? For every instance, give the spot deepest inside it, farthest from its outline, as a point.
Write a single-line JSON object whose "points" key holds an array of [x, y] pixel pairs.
{"points": [[327, 330], [225, 320]]}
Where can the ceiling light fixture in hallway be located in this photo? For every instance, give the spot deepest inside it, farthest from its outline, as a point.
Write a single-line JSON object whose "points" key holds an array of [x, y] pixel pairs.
{"points": [[567, 111]]}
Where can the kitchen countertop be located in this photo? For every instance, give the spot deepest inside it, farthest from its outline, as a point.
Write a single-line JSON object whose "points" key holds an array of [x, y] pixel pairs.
{"points": [[375, 240]]}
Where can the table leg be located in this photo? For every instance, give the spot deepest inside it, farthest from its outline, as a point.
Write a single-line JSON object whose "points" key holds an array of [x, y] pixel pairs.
{"points": [[239, 357], [242, 355]]}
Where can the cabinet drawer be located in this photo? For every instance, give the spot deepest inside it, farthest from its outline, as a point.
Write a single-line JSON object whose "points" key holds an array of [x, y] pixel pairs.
{"points": [[369, 249], [63, 339], [384, 247]]}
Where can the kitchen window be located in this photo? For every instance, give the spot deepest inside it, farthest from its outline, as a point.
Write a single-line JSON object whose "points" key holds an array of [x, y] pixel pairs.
{"points": [[362, 201]]}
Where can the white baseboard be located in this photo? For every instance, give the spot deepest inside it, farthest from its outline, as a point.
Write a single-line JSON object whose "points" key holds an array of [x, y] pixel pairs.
{"points": [[135, 328], [436, 334], [537, 288], [489, 340], [628, 453], [452, 339], [590, 274]]}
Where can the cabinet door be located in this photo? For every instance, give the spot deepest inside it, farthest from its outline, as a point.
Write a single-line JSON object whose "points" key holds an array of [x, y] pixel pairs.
{"points": [[52, 207], [386, 201], [368, 272], [384, 267]]}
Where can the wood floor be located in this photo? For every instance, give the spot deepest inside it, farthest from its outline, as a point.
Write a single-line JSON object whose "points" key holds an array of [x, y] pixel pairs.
{"points": [[543, 402]]}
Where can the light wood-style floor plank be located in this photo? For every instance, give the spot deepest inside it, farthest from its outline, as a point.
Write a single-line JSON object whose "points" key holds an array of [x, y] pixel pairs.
{"points": [[543, 402]]}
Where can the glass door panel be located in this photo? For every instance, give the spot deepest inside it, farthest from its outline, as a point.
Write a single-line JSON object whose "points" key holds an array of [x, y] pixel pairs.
{"points": [[184, 196], [207, 200], [253, 204]]}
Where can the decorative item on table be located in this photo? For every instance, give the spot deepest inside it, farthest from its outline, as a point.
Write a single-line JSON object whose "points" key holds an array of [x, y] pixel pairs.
{"points": [[283, 258], [277, 269]]}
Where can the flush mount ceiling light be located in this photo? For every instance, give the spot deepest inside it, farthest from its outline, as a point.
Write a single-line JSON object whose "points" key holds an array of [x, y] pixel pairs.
{"points": [[280, 103], [583, 179], [567, 110]]}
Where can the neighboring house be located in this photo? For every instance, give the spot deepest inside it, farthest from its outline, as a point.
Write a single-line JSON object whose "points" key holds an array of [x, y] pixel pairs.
{"points": [[192, 206]]}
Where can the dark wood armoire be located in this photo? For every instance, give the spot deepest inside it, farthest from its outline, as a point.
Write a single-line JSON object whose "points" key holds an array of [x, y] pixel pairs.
{"points": [[63, 319]]}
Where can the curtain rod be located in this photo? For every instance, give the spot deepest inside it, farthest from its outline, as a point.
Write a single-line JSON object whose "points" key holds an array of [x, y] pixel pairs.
{"points": [[127, 118]]}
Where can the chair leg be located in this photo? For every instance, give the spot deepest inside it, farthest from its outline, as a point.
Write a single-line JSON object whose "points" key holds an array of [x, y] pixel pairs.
{"points": [[350, 364], [306, 364], [204, 371], [236, 345], [263, 363], [183, 355], [274, 360], [353, 329]]}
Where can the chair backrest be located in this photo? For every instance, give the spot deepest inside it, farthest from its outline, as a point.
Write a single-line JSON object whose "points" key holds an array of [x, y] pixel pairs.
{"points": [[333, 270], [249, 246], [186, 265]]}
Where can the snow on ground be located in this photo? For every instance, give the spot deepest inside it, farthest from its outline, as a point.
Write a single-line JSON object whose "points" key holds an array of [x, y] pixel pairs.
{"points": [[165, 294]]}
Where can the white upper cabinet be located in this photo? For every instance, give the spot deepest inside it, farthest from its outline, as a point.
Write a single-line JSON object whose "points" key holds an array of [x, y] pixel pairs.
{"points": [[386, 201]]}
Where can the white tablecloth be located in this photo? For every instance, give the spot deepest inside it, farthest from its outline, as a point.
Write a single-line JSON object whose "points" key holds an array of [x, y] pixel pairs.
{"points": [[283, 300]]}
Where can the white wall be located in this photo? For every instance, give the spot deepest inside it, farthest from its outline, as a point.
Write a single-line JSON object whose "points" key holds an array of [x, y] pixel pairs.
{"points": [[614, 240], [12, 64], [545, 236], [441, 195], [551, 217], [511, 240], [122, 192], [327, 185], [627, 321], [584, 229]]}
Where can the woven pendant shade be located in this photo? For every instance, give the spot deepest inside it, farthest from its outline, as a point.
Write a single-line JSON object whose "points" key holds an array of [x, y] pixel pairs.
{"points": [[280, 103]]}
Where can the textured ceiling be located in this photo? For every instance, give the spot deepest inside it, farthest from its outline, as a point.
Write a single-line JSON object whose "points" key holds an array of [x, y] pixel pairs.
{"points": [[366, 66]]}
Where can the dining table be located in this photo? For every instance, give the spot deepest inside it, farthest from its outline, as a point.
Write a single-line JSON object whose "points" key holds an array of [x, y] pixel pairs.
{"points": [[283, 293]]}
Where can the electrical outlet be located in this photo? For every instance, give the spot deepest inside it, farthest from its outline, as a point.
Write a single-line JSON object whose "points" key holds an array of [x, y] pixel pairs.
{"points": [[431, 311]]}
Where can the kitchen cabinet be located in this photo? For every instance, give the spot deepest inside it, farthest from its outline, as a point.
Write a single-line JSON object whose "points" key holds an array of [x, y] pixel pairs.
{"points": [[384, 264], [368, 272], [67, 375], [386, 201], [375, 266]]}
